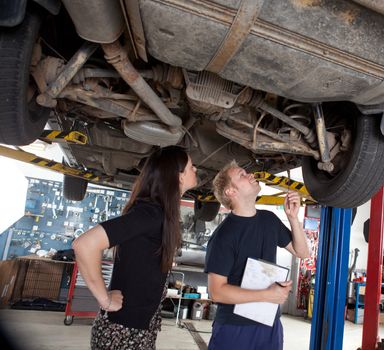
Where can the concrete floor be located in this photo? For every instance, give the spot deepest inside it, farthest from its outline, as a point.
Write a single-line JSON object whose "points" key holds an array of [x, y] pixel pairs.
{"points": [[43, 330]]}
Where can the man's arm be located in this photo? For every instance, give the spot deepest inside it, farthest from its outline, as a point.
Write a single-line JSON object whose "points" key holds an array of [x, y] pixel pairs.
{"points": [[222, 292], [298, 246]]}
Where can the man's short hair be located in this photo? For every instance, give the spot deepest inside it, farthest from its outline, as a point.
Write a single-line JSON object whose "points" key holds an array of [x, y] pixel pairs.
{"points": [[221, 182]]}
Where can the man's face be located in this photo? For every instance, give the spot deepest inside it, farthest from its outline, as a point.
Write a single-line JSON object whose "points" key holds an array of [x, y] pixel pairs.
{"points": [[245, 184]]}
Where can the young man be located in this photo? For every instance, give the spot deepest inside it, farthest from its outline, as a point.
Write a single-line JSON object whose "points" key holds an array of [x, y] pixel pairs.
{"points": [[247, 232]]}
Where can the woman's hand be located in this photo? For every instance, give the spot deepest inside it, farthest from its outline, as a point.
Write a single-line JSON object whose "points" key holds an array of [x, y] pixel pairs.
{"points": [[113, 302]]}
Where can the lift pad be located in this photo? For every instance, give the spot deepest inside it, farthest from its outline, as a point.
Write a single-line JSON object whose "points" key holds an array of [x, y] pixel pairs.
{"points": [[62, 136], [282, 182]]}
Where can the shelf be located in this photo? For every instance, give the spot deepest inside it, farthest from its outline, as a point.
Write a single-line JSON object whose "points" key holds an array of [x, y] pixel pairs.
{"points": [[359, 305], [188, 268], [182, 298]]}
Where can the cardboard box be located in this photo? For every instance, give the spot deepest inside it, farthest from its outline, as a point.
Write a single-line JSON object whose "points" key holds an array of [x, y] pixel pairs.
{"points": [[8, 274], [43, 280]]}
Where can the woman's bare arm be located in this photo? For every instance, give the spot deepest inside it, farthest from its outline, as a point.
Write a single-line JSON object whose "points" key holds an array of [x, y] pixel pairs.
{"points": [[88, 249]]}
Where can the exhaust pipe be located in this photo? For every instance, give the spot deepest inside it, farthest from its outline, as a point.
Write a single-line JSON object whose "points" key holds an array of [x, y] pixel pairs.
{"points": [[115, 55]]}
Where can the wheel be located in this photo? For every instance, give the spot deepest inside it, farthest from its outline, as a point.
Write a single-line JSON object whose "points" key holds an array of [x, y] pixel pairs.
{"points": [[68, 320], [74, 188], [206, 211], [22, 120], [359, 171], [199, 226]]}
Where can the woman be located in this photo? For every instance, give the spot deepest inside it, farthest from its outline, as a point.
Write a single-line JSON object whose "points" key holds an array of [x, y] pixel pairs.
{"points": [[146, 237]]}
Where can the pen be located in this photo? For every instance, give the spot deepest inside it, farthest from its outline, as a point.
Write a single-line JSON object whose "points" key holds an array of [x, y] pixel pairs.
{"points": [[279, 284]]}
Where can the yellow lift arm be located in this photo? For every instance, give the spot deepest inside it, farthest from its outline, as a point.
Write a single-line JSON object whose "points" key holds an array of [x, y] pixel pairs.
{"points": [[30, 158], [265, 200], [280, 182], [53, 136]]}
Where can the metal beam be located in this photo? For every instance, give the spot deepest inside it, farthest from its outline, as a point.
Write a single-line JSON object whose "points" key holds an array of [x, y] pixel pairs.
{"points": [[374, 272]]}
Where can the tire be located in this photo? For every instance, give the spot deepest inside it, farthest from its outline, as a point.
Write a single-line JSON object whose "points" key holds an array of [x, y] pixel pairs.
{"points": [[74, 188], [360, 173], [21, 122], [198, 226], [206, 211], [68, 320]]}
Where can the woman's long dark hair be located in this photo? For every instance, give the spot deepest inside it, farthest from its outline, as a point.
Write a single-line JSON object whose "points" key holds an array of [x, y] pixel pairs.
{"points": [[159, 183]]}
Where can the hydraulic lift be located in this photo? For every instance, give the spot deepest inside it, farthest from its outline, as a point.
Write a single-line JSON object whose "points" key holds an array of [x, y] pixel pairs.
{"points": [[280, 182], [327, 327]]}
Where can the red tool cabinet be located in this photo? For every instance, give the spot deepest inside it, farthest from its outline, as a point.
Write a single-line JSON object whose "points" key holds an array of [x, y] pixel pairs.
{"points": [[81, 302]]}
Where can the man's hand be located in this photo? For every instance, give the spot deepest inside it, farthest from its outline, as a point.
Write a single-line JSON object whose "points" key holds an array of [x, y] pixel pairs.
{"points": [[278, 294], [298, 247], [292, 205]]}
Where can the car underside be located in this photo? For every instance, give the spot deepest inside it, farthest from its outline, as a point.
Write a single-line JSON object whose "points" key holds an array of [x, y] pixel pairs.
{"points": [[272, 84]]}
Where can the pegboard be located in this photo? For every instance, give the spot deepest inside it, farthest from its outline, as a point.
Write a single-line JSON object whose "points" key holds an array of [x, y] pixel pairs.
{"points": [[52, 222]]}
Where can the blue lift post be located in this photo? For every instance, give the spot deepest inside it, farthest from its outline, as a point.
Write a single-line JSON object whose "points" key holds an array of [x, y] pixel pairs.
{"points": [[327, 329]]}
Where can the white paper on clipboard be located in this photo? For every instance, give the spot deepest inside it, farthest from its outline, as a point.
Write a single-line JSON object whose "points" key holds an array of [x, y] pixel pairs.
{"points": [[259, 274]]}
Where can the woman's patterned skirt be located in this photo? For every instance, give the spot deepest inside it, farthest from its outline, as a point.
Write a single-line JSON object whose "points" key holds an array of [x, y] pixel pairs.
{"points": [[112, 336]]}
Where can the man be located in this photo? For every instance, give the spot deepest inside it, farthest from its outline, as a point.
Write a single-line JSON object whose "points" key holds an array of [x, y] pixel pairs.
{"points": [[247, 232]]}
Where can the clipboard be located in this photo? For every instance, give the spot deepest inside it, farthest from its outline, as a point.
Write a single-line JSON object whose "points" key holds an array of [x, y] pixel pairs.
{"points": [[260, 274]]}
